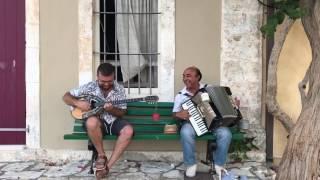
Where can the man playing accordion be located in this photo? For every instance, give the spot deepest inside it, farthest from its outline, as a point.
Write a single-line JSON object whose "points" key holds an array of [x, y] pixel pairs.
{"points": [[191, 79]]}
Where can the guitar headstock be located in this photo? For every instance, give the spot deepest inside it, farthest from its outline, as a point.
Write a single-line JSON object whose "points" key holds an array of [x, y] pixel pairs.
{"points": [[151, 98]]}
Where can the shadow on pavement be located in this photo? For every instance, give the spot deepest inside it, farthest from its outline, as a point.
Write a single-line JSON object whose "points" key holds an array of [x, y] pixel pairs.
{"points": [[200, 176]]}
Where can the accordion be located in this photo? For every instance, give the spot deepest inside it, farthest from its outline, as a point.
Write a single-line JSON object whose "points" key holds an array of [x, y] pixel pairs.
{"points": [[212, 107]]}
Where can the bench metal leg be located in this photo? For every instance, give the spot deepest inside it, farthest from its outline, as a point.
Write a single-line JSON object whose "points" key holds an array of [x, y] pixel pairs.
{"points": [[211, 146], [93, 157]]}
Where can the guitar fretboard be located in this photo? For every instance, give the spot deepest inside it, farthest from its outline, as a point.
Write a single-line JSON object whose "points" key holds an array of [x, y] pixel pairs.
{"points": [[119, 101], [125, 101]]}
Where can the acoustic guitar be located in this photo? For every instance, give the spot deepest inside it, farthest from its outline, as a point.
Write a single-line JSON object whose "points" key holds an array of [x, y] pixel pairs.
{"points": [[97, 104]]}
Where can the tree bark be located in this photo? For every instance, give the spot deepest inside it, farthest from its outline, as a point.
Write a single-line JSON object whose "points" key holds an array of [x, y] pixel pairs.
{"points": [[272, 103], [301, 159]]}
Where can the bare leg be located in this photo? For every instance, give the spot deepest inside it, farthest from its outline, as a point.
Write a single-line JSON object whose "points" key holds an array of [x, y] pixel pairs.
{"points": [[121, 144], [94, 132]]}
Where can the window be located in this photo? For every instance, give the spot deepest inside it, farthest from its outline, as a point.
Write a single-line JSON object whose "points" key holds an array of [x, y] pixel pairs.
{"points": [[156, 75], [128, 38]]}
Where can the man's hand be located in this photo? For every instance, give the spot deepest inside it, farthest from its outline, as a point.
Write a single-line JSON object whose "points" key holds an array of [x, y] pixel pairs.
{"points": [[108, 107], [83, 105], [237, 102], [184, 115], [115, 111]]}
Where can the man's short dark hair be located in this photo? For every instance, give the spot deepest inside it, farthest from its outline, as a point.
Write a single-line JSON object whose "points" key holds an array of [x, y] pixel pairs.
{"points": [[106, 69], [199, 73]]}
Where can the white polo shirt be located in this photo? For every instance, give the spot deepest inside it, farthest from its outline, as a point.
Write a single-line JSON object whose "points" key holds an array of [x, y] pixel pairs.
{"points": [[182, 97]]}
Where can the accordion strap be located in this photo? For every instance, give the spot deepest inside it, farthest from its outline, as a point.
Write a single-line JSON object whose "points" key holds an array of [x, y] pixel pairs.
{"points": [[203, 88]]}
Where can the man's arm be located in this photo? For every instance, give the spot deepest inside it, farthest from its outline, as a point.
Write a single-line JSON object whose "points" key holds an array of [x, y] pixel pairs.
{"points": [[178, 113], [118, 110], [69, 99], [115, 111], [73, 101]]}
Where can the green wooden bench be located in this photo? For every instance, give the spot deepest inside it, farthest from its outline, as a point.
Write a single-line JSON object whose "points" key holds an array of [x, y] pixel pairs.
{"points": [[139, 114]]}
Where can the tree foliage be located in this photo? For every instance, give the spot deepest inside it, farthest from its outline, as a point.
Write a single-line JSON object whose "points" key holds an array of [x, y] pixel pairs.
{"points": [[281, 8]]}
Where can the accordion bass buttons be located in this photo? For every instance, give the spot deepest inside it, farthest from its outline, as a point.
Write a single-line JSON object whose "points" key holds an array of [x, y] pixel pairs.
{"points": [[205, 97]]}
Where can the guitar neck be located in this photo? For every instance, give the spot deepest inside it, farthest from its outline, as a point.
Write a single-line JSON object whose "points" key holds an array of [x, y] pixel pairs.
{"points": [[120, 101], [125, 101]]}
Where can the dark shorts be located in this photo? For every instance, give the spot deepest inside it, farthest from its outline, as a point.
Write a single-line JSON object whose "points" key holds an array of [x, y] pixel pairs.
{"points": [[111, 129]]}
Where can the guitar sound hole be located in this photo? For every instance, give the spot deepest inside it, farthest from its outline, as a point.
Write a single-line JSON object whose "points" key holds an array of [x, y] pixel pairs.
{"points": [[93, 104]]}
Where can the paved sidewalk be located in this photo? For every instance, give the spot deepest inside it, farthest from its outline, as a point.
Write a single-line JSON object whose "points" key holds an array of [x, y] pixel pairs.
{"points": [[123, 170]]}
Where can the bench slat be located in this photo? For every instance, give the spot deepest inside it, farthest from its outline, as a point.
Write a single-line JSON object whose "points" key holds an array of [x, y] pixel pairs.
{"points": [[138, 125], [148, 111], [146, 129], [168, 105], [142, 128], [137, 128], [152, 136], [151, 122]]}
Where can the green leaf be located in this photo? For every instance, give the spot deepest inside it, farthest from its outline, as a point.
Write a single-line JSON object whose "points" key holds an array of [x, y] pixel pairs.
{"points": [[280, 17], [269, 28], [290, 8], [294, 13]]}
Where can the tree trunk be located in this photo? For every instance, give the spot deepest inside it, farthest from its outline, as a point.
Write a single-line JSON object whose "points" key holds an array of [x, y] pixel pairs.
{"points": [[301, 159], [272, 103]]}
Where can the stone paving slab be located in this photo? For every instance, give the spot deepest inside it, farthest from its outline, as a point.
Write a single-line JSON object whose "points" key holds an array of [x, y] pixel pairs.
{"points": [[17, 166], [67, 169], [22, 175], [124, 170]]}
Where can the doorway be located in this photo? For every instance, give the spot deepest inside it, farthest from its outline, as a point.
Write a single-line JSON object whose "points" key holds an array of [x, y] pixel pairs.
{"points": [[12, 73]]}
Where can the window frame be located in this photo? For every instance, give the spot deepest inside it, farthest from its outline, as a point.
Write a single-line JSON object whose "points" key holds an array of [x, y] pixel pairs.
{"points": [[166, 47], [151, 57]]}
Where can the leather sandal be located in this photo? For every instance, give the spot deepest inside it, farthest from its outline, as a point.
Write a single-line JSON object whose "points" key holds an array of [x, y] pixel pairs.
{"points": [[101, 167]]}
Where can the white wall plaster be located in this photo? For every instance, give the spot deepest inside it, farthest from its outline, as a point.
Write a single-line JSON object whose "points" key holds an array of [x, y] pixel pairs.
{"points": [[32, 74], [86, 64], [166, 46]]}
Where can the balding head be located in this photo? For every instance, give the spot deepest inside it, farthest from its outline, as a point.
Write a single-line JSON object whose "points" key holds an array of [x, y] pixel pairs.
{"points": [[196, 70]]}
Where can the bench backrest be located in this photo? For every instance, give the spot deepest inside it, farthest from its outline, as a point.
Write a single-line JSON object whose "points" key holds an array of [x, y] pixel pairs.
{"points": [[139, 114]]}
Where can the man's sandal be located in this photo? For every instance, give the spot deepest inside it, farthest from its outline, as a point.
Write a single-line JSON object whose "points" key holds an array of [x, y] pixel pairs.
{"points": [[101, 168]]}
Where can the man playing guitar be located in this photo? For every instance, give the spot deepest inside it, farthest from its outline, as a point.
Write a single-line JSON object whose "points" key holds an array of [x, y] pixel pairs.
{"points": [[109, 121]]}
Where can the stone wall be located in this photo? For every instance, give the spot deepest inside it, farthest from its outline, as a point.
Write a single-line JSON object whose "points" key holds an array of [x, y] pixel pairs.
{"points": [[241, 60]]}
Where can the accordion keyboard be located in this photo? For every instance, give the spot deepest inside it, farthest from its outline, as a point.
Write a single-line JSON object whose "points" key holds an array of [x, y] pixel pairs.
{"points": [[196, 118]]}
